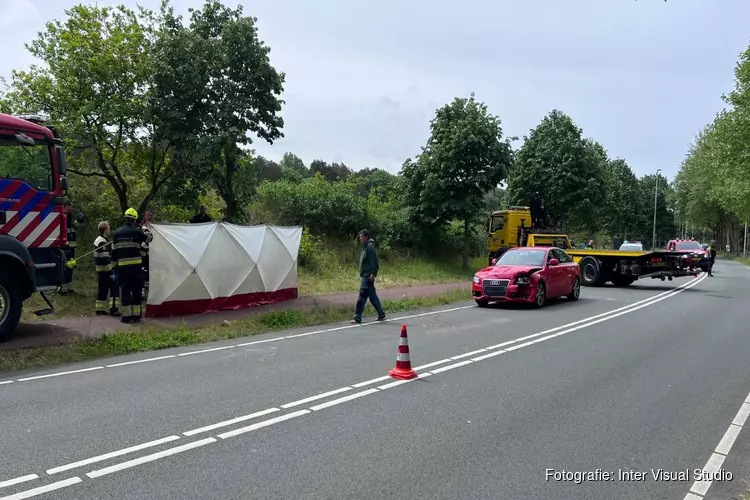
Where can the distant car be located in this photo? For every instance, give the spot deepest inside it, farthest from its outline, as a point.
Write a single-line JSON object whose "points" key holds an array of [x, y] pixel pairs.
{"points": [[528, 274], [632, 247]]}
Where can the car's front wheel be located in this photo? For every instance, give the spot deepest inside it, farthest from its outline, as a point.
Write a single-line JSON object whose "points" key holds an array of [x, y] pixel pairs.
{"points": [[482, 303], [575, 293], [541, 295]]}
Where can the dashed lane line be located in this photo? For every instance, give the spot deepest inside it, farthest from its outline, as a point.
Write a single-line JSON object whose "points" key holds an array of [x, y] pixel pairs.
{"points": [[43, 489], [739, 420], [233, 421], [150, 458], [113, 454], [18, 480], [720, 453]]}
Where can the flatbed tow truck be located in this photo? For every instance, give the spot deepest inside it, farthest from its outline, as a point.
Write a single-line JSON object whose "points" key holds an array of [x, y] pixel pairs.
{"points": [[507, 229]]}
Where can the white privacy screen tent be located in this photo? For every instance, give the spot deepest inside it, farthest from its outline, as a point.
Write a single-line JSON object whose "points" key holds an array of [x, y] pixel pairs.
{"points": [[214, 266]]}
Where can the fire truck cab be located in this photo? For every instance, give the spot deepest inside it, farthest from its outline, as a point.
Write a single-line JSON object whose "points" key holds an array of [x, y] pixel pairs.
{"points": [[33, 225]]}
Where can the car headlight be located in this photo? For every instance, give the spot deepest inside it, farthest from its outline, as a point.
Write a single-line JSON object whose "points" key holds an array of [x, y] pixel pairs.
{"points": [[522, 280], [476, 279]]}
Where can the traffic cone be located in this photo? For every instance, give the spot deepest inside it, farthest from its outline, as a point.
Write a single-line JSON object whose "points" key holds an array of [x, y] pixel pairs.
{"points": [[403, 368]]}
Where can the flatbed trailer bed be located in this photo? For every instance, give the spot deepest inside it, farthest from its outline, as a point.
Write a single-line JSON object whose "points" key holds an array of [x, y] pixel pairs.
{"points": [[623, 267]]}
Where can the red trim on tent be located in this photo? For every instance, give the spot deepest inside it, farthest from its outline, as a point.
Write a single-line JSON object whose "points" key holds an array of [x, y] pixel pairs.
{"points": [[243, 301]]}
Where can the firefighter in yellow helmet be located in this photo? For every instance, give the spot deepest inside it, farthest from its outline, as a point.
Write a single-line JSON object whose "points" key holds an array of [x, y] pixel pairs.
{"points": [[127, 263]]}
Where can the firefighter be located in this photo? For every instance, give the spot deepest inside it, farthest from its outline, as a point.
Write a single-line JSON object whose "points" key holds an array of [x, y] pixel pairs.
{"points": [[107, 296], [711, 251], [128, 266], [70, 248]]}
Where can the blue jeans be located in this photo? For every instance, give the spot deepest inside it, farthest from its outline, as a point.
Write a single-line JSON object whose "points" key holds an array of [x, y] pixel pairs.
{"points": [[367, 291]]}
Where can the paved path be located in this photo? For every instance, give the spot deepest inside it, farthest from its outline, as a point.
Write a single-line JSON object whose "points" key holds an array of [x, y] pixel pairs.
{"points": [[647, 377], [63, 330]]}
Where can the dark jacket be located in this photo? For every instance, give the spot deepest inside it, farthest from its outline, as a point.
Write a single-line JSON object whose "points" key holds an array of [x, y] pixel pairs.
{"points": [[368, 260], [126, 249]]}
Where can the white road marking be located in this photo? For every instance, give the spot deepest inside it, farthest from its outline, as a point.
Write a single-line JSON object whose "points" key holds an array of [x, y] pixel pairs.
{"points": [[721, 451], [314, 398], [190, 353], [343, 400], [519, 346], [37, 377], [149, 458], [43, 489], [728, 440], [741, 417], [113, 454], [18, 480], [230, 422], [402, 382], [714, 463], [140, 361], [490, 355], [372, 381], [434, 363], [6, 382], [259, 342], [691, 496], [450, 367], [264, 423], [304, 334], [467, 354]]}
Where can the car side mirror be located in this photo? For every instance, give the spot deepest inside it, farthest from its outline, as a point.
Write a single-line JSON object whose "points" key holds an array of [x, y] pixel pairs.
{"points": [[553, 262], [494, 261]]}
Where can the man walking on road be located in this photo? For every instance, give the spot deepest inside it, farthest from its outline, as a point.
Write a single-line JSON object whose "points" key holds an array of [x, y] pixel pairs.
{"points": [[368, 271]]}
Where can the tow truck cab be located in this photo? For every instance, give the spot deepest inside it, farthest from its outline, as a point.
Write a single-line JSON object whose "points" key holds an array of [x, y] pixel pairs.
{"points": [[33, 225], [512, 228]]}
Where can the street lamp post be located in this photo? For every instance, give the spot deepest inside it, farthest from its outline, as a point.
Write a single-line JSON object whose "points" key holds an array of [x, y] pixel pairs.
{"points": [[656, 192]]}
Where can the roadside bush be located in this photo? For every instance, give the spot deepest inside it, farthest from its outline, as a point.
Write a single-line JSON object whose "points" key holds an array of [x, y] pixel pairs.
{"points": [[324, 208]]}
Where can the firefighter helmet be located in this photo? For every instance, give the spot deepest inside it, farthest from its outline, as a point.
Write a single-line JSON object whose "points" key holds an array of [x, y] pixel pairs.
{"points": [[131, 213]]}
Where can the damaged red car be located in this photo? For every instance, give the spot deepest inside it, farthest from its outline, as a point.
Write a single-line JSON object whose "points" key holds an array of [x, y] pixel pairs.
{"points": [[528, 274]]}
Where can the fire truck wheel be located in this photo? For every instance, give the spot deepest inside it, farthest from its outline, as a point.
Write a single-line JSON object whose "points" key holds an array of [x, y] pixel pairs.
{"points": [[10, 304]]}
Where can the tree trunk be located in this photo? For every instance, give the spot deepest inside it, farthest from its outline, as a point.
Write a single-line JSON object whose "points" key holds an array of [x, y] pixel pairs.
{"points": [[465, 263]]}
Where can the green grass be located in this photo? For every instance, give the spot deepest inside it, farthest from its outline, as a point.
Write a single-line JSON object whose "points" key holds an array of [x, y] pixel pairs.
{"points": [[336, 274], [340, 275], [115, 344], [741, 260]]}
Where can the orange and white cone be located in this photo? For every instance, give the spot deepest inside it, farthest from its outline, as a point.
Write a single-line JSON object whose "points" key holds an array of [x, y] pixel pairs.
{"points": [[403, 368]]}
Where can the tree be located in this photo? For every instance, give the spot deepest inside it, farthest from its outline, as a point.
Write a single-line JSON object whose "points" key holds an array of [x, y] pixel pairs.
{"points": [[564, 168], [93, 81], [293, 168], [268, 170], [464, 159], [232, 91], [622, 201], [332, 173]]}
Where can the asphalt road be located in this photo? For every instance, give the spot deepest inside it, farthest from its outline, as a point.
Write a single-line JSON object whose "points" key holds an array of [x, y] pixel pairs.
{"points": [[647, 377]]}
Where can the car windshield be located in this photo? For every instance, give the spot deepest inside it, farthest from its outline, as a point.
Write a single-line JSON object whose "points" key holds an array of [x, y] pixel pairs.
{"points": [[522, 258], [631, 248], [688, 245]]}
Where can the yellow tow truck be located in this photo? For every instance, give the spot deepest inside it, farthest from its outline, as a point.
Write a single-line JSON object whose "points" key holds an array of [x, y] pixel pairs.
{"points": [[511, 228]]}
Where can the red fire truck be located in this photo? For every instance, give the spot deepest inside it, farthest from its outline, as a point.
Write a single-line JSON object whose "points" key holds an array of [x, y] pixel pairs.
{"points": [[33, 225]]}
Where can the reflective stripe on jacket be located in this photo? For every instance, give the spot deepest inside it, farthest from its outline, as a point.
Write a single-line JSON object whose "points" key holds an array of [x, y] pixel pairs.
{"points": [[102, 255]]}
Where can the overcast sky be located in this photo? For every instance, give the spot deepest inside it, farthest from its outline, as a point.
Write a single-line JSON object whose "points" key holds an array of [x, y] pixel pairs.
{"points": [[364, 78]]}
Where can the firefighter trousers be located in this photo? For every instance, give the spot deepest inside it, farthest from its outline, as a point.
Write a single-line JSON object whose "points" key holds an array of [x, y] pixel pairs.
{"points": [[131, 293], [107, 294], [67, 284]]}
